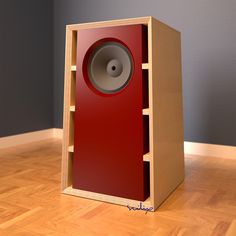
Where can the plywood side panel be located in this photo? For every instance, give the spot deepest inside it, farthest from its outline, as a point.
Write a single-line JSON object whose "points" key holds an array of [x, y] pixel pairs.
{"points": [[66, 115], [167, 111]]}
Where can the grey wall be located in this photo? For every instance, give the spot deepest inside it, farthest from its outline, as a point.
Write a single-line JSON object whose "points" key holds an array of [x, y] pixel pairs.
{"points": [[208, 56], [26, 66]]}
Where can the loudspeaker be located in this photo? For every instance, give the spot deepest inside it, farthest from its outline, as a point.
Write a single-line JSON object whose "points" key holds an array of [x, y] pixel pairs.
{"points": [[109, 67], [123, 133]]}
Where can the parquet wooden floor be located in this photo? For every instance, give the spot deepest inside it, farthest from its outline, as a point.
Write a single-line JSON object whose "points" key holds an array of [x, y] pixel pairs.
{"points": [[31, 203]]}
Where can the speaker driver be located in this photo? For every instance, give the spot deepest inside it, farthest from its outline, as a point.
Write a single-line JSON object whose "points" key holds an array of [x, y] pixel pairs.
{"points": [[110, 67]]}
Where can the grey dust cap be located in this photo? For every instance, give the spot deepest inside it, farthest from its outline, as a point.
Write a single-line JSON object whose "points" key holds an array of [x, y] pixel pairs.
{"points": [[110, 67]]}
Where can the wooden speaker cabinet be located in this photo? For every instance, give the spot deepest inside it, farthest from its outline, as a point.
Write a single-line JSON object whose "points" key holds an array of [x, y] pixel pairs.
{"points": [[123, 141]]}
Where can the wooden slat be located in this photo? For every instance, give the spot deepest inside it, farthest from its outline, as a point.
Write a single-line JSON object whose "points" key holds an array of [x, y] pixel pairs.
{"points": [[147, 157], [146, 111], [145, 66], [72, 108], [73, 68], [71, 148]]}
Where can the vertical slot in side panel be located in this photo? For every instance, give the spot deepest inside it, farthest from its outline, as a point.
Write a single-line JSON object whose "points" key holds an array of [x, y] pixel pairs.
{"points": [[74, 47], [147, 177], [70, 164], [145, 134], [144, 44], [145, 94], [73, 85], [145, 89], [71, 134]]}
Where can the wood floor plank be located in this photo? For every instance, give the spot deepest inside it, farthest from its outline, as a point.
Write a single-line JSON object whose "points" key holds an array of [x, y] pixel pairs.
{"points": [[19, 217]]}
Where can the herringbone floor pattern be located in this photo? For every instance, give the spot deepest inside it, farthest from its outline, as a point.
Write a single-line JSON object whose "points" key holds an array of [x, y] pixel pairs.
{"points": [[31, 203]]}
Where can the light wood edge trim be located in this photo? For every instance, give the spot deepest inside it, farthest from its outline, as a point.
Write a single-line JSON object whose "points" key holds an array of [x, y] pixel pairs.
{"points": [[66, 117], [145, 66], [106, 198], [120, 22], [73, 68], [150, 110]]}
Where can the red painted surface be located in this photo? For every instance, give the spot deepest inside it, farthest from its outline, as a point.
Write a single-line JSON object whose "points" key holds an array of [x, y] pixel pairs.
{"points": [[108, 143]]}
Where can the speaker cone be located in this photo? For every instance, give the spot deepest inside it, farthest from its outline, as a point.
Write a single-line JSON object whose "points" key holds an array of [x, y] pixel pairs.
{"points": [[110, 67]]}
